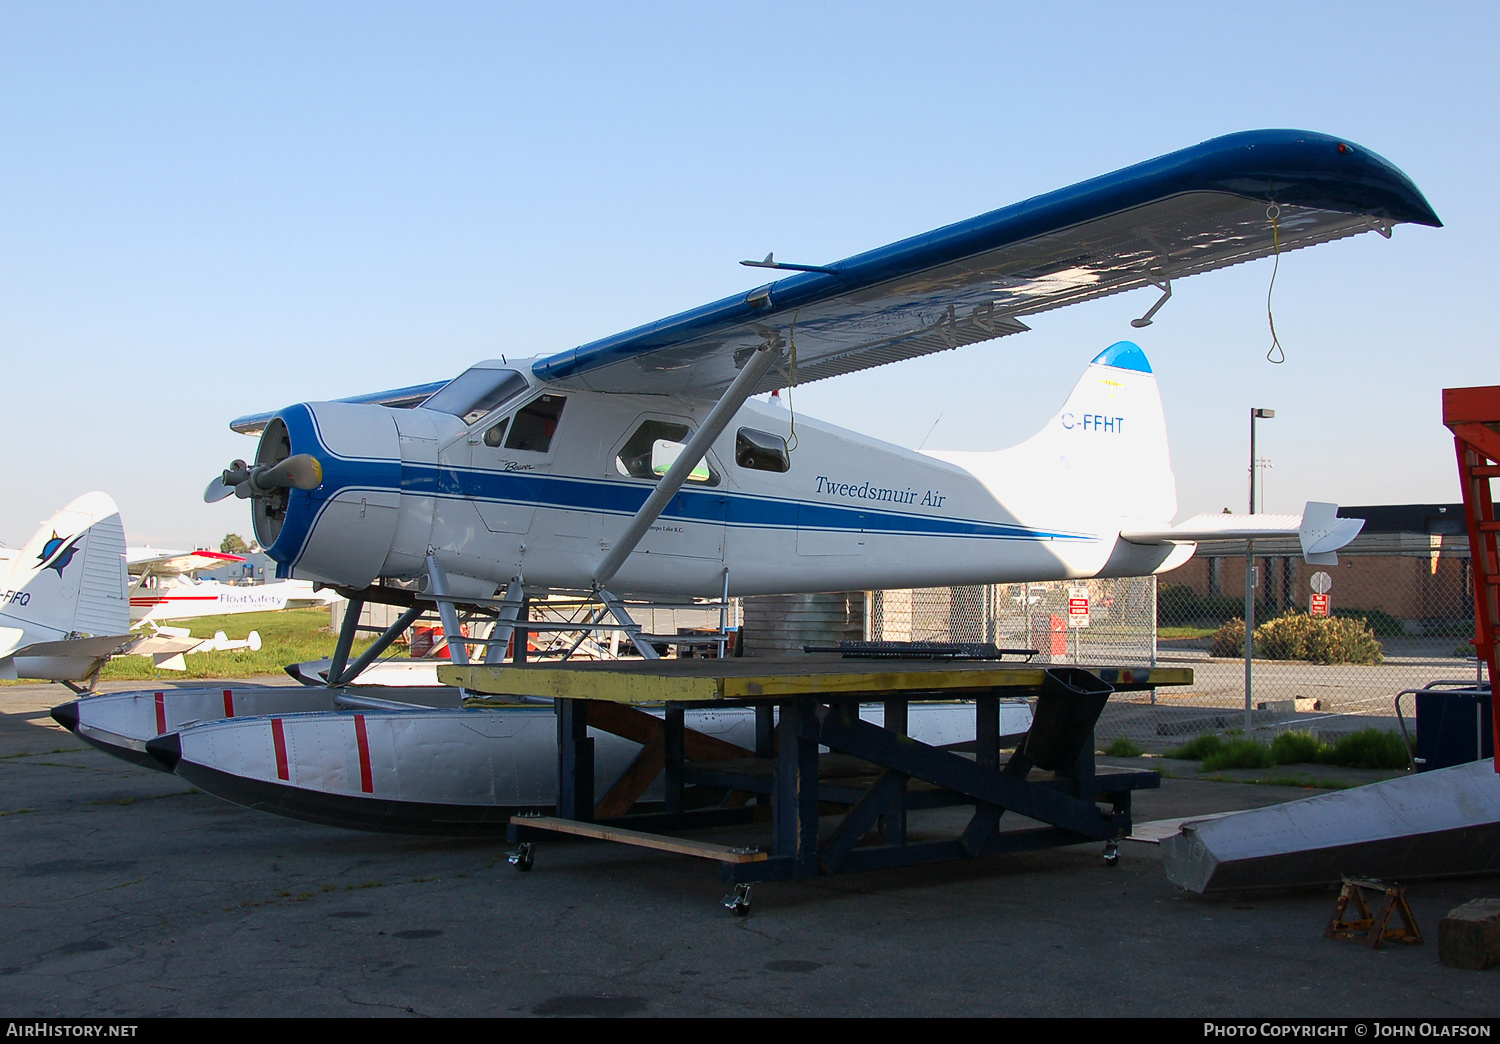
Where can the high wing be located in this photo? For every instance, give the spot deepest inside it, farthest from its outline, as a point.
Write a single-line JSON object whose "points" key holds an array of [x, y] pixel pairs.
{"points": [[148, 561], [1225, 201]]}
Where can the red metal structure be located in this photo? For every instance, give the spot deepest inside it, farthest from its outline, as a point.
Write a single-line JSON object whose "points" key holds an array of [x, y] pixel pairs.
{"points": [[1473, 415]]}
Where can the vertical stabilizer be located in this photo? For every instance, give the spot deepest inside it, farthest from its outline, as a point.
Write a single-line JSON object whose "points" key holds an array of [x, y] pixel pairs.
{"points": [[1102, 456], [70, 578]]}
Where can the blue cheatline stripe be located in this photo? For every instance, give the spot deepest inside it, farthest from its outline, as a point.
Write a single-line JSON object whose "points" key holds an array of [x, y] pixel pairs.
{"points": [[712, 507]]}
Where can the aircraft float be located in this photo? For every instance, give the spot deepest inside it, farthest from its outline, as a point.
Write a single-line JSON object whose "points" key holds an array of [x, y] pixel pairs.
{"points": [[639, 465]]}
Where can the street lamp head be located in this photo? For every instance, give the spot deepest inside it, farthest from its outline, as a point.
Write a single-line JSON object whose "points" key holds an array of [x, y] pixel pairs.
{"points": [[1264, 414]]}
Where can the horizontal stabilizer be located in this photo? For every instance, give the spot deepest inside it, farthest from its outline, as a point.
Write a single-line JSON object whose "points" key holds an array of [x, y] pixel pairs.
{"points": [[1322, 533], [1319, 529], [105, 645]]}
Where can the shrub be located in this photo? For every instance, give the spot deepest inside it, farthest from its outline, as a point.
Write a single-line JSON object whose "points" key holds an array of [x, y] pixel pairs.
{"points": [[1123, 748], [1370, 748], [1240, 753], [1197, 748], [1228, 640], [1297, 636], [1293, 748], [1317, 639], [1382, 624], [1177, 604]]}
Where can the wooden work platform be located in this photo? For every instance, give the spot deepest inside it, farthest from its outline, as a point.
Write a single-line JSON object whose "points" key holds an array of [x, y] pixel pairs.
{"points": [[754, 679], [815, 756]]}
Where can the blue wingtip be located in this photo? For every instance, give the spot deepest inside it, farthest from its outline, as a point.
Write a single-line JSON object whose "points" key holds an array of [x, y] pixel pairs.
{"points": [[1125, 355]]}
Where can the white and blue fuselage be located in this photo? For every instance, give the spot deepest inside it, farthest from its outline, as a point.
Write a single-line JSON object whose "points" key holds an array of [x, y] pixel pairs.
{"points": [[540, 486]]}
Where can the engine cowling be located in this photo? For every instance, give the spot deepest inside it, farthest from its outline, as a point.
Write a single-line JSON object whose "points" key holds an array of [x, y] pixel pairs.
{"points": [[341, 532]]}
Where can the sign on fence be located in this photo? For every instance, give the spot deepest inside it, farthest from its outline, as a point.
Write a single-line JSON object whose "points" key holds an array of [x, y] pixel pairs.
{"points": [[1078, 607]]}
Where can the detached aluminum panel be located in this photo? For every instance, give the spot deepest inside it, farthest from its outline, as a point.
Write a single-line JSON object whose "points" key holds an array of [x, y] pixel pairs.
{"points": [[1438, 824]]}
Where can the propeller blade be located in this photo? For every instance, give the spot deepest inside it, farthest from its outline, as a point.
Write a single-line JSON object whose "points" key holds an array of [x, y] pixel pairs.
{"points": [[300, 472], [217, 491]]}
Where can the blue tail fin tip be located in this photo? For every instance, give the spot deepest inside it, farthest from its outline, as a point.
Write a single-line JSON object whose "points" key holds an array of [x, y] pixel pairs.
{"points": [[1124, 355]]}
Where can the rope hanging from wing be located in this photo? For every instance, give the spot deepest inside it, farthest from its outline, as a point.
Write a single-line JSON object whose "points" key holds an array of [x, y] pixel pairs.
{"points": [[1275, 354]]}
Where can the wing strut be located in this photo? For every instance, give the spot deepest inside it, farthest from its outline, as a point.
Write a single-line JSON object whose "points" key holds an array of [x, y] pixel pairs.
{"points": [[714, 424]]}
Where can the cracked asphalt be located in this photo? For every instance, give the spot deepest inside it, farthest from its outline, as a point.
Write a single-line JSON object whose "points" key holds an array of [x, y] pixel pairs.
{"points": [[126, 893]]}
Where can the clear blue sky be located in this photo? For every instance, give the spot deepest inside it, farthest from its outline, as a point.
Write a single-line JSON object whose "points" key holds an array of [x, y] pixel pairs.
{"points": [[211, 209]]}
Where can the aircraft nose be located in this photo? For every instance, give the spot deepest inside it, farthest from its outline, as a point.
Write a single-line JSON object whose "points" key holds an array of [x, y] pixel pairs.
{"points": [[66, 715], [166, 749]]}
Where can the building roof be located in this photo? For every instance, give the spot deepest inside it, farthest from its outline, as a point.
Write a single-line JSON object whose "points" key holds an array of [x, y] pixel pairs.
{"points": [[1432, 519]]}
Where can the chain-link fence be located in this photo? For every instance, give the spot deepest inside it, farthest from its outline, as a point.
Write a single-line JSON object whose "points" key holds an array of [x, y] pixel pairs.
{"points": [[1078, 621], [1407, 617], [1402, 617]]}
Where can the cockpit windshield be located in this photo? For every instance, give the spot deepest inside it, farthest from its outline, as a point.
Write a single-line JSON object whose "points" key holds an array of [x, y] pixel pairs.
{"points": [[476, 392]]}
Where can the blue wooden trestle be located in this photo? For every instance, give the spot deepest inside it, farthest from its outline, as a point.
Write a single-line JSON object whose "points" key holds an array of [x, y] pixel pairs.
{"points": [[873, 775]]}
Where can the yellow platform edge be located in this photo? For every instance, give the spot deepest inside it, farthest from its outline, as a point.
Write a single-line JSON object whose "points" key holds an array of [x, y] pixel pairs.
{"points": [[633, 686]]}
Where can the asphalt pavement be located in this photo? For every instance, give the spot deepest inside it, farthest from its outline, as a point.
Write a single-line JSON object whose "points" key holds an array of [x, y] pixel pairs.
{"points": [[127, 893]]}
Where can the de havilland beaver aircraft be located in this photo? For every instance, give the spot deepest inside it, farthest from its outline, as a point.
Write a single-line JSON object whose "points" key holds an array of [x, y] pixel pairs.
{"points": [[639, 464]]}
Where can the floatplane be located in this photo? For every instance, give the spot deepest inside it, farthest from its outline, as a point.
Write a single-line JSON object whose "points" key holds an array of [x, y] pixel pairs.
{"points": [[640, 466]]}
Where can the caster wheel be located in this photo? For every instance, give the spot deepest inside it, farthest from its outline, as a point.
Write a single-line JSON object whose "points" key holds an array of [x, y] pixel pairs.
{"points": [[523, 858], [1111, 853], [737, 902]]}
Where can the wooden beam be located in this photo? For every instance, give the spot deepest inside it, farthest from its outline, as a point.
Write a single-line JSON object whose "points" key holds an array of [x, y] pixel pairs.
{"points": [[660, 842]]}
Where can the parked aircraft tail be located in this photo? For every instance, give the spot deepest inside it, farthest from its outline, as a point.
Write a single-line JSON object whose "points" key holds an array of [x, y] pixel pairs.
{"points": [[1102, 455], [69, 579]]}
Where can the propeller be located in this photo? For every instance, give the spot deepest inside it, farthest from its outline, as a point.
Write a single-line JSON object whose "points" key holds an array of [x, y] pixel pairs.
{"points": [[298, 472]]}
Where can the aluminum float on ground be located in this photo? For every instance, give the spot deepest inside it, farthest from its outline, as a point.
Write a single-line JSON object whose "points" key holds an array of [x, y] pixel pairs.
{"points": [[1436, 824]]}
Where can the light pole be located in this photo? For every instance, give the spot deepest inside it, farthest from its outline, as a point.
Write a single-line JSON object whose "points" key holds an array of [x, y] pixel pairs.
{"points": [[1255, 415]]}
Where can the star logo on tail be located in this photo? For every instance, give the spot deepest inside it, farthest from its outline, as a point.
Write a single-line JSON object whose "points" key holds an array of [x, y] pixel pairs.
{"points": [[58, 551]]}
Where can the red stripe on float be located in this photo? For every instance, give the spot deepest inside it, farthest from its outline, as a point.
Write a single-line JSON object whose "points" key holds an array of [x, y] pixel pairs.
{"points": [[161, 713], [365, 782], [278, 737], [228, 703]]}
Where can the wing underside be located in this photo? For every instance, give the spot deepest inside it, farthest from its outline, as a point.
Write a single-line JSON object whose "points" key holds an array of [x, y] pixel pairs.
{"points": [[1221, 203]]}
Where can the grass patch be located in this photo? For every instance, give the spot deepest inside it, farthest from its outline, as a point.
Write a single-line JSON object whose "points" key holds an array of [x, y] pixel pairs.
{"points": [[1238, 754], [1197, 748], [1298, 748], [1123, 748], [287, 636], [1370, 748], [1169, 633], [1304, 782]]}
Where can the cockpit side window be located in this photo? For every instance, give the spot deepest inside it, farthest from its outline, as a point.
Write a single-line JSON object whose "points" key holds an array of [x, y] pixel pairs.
{"points": [[495, 433], [475, 392], [653, 449], [535, 424]]}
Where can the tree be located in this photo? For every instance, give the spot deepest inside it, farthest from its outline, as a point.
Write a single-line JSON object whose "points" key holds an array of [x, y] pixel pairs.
{"points": [[233, 544]]}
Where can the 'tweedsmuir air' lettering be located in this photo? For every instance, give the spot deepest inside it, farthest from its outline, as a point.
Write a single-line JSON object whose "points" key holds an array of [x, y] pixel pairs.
{"points": [[865, 491]]}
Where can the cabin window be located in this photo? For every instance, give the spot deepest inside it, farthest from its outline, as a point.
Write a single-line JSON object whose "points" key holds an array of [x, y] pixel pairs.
{"points": [[534, 426], [495, 434], [761, 451], [476, 392], [654, 448]]}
